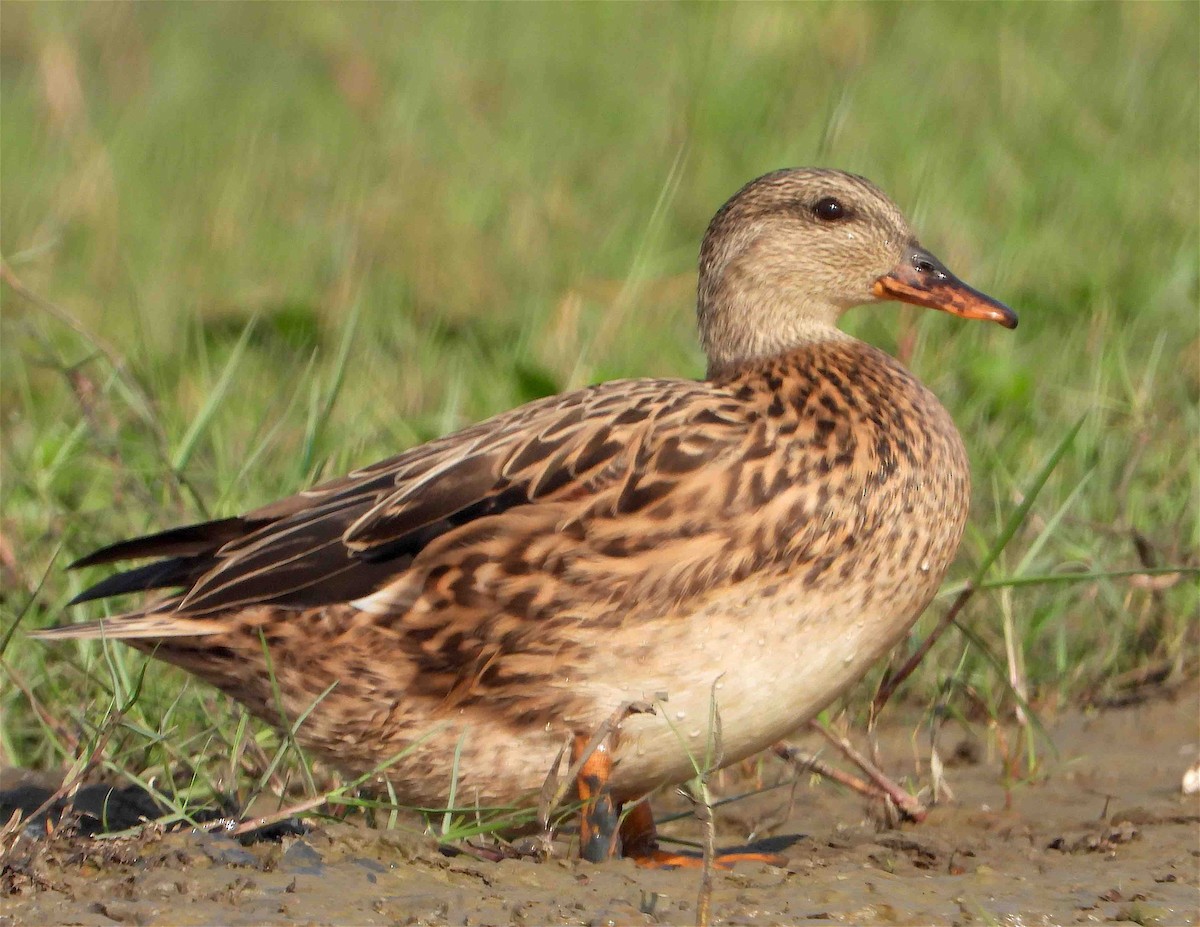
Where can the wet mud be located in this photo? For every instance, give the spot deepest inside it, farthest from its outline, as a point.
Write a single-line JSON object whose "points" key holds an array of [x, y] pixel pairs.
{"points": [[1101, 833]]}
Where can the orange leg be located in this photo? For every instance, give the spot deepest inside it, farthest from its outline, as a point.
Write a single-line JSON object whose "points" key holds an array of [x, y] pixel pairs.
{"points": [[598, 825], [600, 822]]}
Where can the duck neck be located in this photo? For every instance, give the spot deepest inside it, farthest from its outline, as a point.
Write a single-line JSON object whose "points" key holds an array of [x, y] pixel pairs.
{"points": [[738, 329]]}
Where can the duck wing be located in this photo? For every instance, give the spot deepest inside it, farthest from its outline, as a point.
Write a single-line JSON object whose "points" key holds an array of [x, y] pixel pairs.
{"points": [[622, 442]]}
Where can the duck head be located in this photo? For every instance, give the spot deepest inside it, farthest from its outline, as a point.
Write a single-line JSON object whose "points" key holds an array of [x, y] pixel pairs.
{"points": [[794, 249]]}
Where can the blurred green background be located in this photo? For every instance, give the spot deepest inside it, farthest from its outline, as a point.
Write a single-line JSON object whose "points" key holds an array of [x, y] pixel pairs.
{"points": [[282, 240]]}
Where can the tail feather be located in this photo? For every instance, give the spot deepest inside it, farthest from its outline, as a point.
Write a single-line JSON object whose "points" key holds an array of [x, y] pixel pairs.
{"points": [[133, 626], [163, 574], [187, 541]]}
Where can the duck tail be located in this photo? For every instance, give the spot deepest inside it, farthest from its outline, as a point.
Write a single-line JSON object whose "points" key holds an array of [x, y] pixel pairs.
{"points": [[134, 626], [184, 542]]}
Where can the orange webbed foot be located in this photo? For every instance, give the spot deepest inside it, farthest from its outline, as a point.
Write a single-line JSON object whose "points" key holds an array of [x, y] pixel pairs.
{"points": [[639, 842], [601, 823]]}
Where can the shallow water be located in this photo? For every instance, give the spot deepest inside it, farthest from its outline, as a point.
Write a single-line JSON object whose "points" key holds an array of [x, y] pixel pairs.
{"points": [[1103, 834]]}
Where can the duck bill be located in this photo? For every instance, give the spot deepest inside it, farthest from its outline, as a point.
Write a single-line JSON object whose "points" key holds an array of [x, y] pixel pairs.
{"points": [[923, 280]]}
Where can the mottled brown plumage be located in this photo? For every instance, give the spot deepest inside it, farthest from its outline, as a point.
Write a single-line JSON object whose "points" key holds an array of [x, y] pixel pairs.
{"points": [[761, 536]]}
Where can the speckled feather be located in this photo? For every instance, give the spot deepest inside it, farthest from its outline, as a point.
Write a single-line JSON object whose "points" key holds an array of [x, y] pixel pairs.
{"points": [[761, 536]]}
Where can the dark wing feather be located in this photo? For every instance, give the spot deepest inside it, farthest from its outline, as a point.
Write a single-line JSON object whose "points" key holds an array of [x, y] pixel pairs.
{"points": [[430, 499], [181, 542], [346, 538], [162, 574]]}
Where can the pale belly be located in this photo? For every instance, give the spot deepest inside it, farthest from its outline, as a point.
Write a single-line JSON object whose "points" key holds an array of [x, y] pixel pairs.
{"points": [[764, 667], [765, 664]]}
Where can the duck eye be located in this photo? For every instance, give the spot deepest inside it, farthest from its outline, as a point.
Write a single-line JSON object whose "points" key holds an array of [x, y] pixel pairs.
{"points": [[829, 209]]}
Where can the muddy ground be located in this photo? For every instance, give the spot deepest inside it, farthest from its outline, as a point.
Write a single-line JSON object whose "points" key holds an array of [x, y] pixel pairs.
{"points": [[1103, 834]]}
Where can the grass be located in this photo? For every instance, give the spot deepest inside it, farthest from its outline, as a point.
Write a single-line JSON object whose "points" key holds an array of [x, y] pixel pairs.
{"points": [[283, 243]]}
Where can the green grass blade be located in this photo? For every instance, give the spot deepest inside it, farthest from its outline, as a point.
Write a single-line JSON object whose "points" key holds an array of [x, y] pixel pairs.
{"points": [[216, 396], [319, 420], [1051, 525], [1052, 579], [1018, 515]]}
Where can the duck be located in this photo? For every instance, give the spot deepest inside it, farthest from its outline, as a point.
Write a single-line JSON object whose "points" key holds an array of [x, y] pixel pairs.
{"points": [[608, 571]]}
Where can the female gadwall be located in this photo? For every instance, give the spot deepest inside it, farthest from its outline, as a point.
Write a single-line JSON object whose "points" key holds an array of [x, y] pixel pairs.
{"points": [[754, 540]]}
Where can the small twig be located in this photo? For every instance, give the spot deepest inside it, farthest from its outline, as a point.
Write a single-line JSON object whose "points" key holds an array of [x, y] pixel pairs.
{"points": [[908, 805], [892, 681], [282, 815], [938, 786], [804, 760], [704, 812], [554, 790], [10, 833], [71, 784]]}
